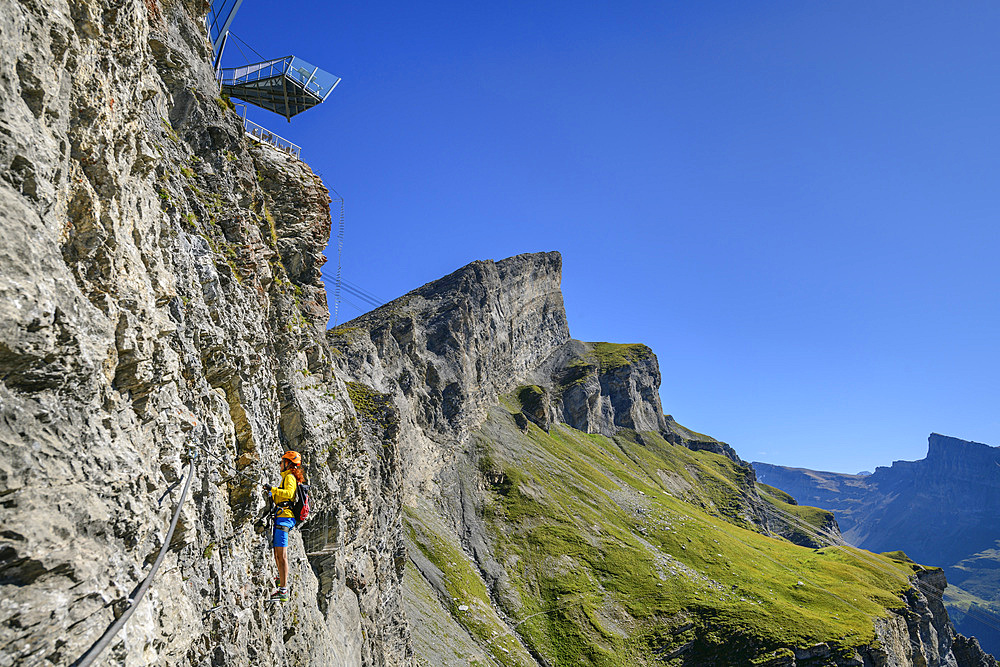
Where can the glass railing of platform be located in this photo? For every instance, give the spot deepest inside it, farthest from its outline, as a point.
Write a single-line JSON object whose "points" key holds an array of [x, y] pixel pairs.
{"points": [[264, 135], [312, 78], [232, 76]]}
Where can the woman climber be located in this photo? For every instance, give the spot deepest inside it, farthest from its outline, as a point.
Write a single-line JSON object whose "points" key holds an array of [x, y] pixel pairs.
{"points": [[284, 518]]}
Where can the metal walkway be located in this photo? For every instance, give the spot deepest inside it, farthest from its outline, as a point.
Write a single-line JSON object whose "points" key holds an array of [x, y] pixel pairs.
{"points": [[286, 86], [266, 136]]}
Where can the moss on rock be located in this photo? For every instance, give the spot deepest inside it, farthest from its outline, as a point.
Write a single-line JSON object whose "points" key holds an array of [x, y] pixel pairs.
{"points": [[373, 406]]}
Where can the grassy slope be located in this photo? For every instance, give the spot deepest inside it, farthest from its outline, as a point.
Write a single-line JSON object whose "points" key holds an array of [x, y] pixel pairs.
{"points": [[818, 520], [612, 566], [460, 586], [610, 356], [442, 642]]}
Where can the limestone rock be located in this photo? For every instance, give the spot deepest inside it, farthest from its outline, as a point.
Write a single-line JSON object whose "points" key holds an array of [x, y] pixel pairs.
{"points": [[603, 387], [159, 301], [445, 351], [680, 435]]}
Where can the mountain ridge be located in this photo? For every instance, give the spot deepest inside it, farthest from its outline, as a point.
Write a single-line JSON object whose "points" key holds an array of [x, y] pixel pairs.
{"points": [[506, 473]]}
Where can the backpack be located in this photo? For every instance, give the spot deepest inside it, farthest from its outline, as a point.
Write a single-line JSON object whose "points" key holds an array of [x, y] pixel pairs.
{"points": [[300, 503]]}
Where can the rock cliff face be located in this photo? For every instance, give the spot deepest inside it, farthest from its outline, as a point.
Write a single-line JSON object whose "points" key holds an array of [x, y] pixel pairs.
{"points": [[599, 388], [543, 484], [447, 350], [160, 298], [912, 502], [942, 509]]}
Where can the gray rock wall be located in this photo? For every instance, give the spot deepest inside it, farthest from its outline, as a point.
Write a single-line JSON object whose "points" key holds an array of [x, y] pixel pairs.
{"points": [[160, 297], [602, 387], [445, 352]]}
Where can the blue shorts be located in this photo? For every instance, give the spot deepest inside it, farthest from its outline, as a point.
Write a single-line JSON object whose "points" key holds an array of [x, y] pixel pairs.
{"points": [[281, 536]]}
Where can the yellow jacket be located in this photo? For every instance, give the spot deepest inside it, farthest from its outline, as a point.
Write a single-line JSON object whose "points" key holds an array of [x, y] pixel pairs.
{"points": [[284, 493]]}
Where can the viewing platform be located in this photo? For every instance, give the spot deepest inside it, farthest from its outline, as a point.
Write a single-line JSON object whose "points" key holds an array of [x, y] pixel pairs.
{"points": [[287, 86]]}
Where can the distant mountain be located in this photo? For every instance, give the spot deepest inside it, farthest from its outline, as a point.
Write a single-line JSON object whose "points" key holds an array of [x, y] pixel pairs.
{"points": [[941, 510]]}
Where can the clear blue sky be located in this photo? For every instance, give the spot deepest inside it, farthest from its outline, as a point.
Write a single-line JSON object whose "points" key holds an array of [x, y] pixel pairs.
{"points": [[795, 204]]}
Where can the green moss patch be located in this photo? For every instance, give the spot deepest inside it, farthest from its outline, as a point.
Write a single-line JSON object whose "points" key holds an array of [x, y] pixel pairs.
{"points": [[532, 400], [373, 406], [615, 355], [603, 358]]}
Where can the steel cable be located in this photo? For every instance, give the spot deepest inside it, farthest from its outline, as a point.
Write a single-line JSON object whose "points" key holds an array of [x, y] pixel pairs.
{"points": [[109, 634]]}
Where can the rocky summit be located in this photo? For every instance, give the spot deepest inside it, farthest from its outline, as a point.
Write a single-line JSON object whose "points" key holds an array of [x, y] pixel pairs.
{"points": [[486, 489], [943, 509]]}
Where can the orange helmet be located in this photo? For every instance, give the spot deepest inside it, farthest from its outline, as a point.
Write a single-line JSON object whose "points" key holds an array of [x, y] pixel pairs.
{"points": [[293, 458]]}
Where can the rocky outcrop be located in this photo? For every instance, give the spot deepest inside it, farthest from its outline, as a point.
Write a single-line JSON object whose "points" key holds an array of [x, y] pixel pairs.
{"points": [[921, 634], [601, 387], [679, 435], [941, 510], [160, 299], [445, 351], [968, 653]]}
